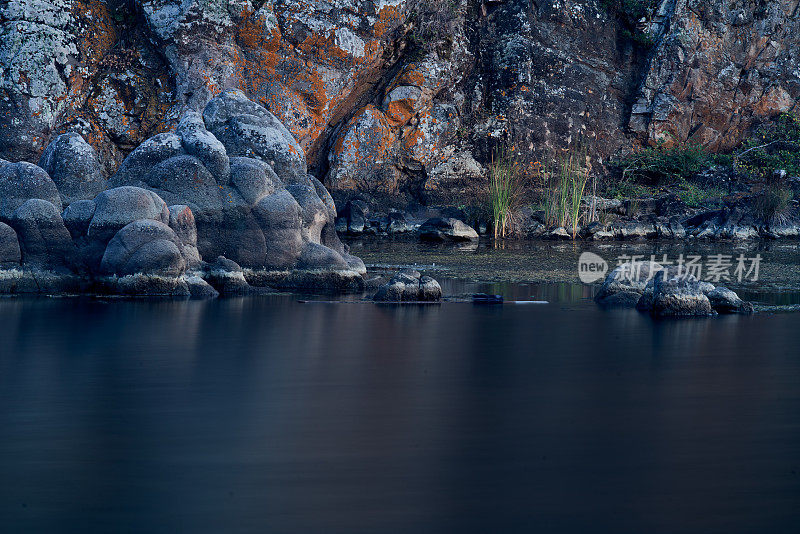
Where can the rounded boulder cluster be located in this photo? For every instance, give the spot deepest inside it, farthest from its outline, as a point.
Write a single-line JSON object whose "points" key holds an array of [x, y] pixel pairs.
{"points": [[229, 183]]}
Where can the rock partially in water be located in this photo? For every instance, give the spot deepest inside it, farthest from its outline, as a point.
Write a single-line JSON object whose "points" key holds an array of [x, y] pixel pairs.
{"points": [[446, 229], [409, 286], [226, 277], [624, 286], [723, 300], [679, 296]]}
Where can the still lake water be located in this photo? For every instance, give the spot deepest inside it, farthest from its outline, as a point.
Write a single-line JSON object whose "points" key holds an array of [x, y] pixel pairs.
{"points": [[267, 415]]}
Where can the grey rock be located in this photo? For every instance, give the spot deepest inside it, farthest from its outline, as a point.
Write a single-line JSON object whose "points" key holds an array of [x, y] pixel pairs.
{"points": [[78, 216], [44, 239], [625, 284], [254, 179], [409, 286], [118, 207], [248, 129], [74, 167], [199, 288], [226, 276], [181, 220], [279, 217], [158, 148], [446, 229], [724, 300], [10, 254], [678, 296], [315, 256], [202, 144], [20, 182], [559, 233], [151, 285], [144, 247]]}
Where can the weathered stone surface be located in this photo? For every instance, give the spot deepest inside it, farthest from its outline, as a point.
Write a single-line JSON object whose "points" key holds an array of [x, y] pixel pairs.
{"points": [[723, 300], [248, 129], [446, 229], [74, 168], [10, 254], [409, 285], [624, 285], [78, 216], [22, 181], [144, 247], [120, 206], [181, 220], [44, 239], [374, 103], [678, 296], [226, 277]]}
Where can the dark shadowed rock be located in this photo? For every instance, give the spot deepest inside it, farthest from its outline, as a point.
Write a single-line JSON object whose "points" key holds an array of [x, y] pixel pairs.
{"points": [[723, 300], [226, 276], [181, 220], [280, 218], [446, 229], [22, 181], [356, 216], [44, 239], [409, 286], [10, 254], [145, 247], [77, 217], [74, 167]]}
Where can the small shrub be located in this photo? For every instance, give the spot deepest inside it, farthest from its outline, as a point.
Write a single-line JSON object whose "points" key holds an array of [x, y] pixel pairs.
{"points": [[774, 146], [662, 165], [771, 203], [695, 196]]}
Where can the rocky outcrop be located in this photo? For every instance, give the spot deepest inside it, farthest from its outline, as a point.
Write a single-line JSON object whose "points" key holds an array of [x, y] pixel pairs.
{"points": [[402, 99], [178, 198]]}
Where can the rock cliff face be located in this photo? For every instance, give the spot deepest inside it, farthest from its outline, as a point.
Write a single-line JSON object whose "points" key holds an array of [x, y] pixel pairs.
{"points": [[404, 98]]}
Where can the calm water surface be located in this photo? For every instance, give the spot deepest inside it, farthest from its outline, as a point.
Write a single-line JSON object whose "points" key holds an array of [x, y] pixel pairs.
{"points": [[268, 415]]}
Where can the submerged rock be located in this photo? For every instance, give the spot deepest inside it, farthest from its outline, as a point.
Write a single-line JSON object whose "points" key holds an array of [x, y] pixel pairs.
{"points": [[409, 286]]}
